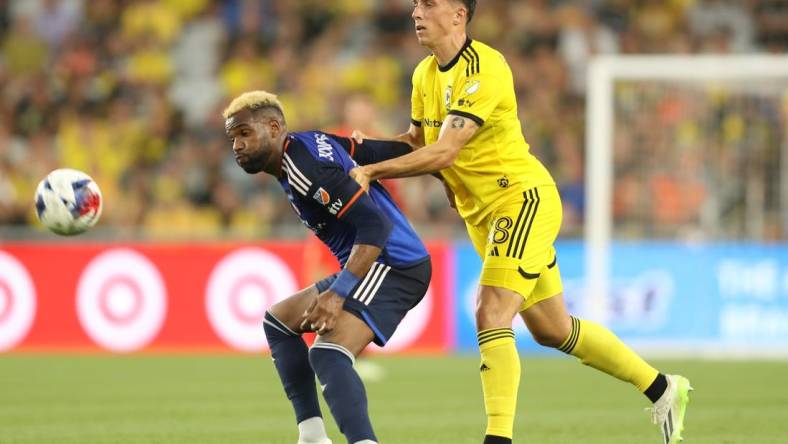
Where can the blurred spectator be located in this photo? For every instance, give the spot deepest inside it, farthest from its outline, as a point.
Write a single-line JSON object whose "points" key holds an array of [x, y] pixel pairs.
{"points": [[709, 18], [131, 91], [582, 37], [24, 53]]}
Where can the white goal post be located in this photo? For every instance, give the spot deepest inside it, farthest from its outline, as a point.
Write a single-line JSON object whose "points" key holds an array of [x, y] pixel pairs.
{"points": [[603, 73]]}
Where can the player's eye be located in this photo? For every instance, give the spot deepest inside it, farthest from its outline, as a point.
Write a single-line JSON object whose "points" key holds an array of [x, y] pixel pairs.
{"points": [[245, 133]]}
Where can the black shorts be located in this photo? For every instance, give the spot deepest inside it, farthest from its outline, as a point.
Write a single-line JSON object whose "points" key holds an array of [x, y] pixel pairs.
{"points": [[384, 295]]}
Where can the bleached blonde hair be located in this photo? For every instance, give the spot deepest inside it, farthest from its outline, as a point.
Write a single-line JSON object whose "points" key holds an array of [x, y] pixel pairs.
{"points": [[253, 100]]}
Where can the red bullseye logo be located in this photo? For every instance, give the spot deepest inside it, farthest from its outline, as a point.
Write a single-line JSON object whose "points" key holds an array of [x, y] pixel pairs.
{"points": [[17, 301], [121, 300], [241, 287], [249, 298], [6, 302]]}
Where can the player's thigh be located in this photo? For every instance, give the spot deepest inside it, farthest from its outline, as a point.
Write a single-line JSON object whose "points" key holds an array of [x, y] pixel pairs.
{"points": [[380, 303], [290, 311], [519, 255], [350, 332]]}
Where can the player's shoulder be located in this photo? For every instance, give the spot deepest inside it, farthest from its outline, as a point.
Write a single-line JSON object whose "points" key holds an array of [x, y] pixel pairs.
{"points": [[297, 146], [301, 151], [484, 58], [424, 65]]}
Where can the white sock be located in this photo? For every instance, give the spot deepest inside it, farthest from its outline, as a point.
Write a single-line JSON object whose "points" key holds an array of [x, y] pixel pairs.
{"points": [[312, 430], [365, 441]]}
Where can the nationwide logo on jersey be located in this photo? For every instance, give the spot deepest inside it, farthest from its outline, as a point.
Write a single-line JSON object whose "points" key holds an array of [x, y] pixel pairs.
{"points": [[322, 196], [434, 123], [447, 97]]}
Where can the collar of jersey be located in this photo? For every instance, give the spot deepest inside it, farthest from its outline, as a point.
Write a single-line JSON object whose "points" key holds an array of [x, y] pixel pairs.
{"points": [[456, 58]]}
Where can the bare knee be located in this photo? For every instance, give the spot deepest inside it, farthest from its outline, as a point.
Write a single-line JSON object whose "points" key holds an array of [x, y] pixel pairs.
{"points": [[553, 334], [350, 333], [496, 307], [290, 311]]}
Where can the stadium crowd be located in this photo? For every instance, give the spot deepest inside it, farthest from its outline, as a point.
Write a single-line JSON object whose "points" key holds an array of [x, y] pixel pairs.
{"points": [[131, 92]]}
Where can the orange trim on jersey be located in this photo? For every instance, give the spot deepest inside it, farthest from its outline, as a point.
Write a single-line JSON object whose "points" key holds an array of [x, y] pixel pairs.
{"points": [[351, 202], [282, 159], [352, 147]]}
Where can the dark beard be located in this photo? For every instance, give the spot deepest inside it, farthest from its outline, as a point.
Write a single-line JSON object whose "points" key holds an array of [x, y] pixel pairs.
{"points": [[254, 165], [252, 168]]}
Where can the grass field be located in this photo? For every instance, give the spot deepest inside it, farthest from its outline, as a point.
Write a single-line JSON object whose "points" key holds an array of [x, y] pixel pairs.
{"points": [[238, 399]]}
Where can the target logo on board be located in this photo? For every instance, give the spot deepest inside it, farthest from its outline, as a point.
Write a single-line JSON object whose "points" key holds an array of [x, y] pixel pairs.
{"points": [[242, 286], [17, 301], [411, 327], [121, 300]]}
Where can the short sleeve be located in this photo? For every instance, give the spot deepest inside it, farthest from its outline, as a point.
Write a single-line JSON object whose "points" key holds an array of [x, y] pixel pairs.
{"points": [[477, 98]]}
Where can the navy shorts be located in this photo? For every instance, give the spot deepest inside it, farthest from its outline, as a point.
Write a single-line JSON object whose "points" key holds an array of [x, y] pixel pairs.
{"points": [[384, 295]]}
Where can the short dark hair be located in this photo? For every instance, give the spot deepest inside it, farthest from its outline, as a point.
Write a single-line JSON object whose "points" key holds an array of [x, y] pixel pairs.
{"points": [[470, 5]]}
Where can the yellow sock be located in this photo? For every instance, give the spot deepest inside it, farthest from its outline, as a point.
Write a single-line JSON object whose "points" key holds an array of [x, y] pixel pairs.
{"points": [[500, 372], [598, 347]]}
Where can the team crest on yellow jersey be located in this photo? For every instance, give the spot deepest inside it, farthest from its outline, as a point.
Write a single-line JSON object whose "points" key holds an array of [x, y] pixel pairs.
{"points": [[447, 97], [471, 86]]}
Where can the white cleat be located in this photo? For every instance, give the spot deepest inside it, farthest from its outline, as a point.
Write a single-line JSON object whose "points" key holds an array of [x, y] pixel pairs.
{"points": [[322, 441], [668, 412]]}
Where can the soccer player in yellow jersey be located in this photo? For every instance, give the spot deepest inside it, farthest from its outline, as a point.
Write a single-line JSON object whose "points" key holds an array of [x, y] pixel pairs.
{"points": [[464, 125]]}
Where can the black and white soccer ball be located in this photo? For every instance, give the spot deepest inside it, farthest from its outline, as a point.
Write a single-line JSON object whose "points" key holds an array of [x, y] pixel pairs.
{"points": [[68, 202]]}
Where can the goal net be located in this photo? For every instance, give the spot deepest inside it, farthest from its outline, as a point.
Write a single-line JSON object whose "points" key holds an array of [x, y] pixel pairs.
{"points": [[685, 151]]}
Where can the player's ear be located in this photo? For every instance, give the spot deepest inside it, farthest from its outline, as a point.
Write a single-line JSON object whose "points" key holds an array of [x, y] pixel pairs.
{"points": [[459, 16], [275, 127]]}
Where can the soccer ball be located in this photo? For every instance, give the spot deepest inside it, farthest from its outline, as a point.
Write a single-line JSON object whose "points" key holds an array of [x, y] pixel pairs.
{"points": [[68, 202]]}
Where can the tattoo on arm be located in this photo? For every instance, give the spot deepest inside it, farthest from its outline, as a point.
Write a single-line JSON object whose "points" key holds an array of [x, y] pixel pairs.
{"points": [[457, 122]]}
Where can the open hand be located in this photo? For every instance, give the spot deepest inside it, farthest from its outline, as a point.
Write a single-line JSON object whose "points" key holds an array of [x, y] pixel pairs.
{"points": [[321, 316]]}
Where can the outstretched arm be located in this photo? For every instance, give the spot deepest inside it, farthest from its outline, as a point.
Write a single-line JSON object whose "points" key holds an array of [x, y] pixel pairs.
{"points": [[369, 150], [455, 133]]}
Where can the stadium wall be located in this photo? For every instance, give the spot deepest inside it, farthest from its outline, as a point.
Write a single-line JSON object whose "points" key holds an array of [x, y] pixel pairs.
{"points": [[666, 298]]}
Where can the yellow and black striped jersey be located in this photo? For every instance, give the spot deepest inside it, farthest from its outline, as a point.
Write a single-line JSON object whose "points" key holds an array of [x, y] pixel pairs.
{"points": [[495, 166]]}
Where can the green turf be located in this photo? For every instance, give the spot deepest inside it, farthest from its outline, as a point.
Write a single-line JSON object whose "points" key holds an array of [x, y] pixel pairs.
{"points": [[237, 399]]}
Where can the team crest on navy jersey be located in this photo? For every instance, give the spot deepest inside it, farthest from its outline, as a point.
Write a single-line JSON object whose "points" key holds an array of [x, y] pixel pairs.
{"points": [[322, 196]]}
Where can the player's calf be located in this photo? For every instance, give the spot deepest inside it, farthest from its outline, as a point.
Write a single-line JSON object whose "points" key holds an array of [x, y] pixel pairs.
{"points": [[291, 359], [343, 390]]}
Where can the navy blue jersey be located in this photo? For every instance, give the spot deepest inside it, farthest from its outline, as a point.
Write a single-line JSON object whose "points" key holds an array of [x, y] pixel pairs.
{"points": [[315, 168]]}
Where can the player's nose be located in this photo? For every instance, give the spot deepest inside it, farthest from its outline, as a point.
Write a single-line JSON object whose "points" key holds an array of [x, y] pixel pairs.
{"points": [[237, 146]]}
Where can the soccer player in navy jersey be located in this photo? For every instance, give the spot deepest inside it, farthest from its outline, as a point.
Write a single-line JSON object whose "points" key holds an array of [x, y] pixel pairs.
{"points": [[385, 267]]}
